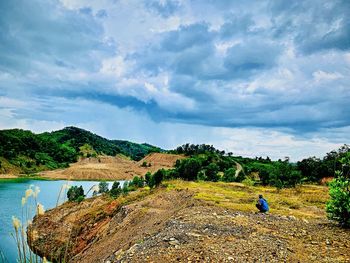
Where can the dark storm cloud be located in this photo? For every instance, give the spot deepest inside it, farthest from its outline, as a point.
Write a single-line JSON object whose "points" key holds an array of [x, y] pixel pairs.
{"points": [[216, 63]]}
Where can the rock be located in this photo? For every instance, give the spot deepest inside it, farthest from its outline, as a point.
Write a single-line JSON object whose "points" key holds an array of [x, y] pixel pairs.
{"points": [[174, 242], [328, 242], [230, 258], [305, 221], [314, 243], [292, 218], [193, 234]]}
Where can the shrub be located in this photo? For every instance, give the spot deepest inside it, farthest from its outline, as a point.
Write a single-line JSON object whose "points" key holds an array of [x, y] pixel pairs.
{"points": [[229, 175], [144, 164], [103, 187], [284, 175], [338, 207], [137, 182], [149, 178], [125, 189], [188, 168], [115, 190], [211, 172], [171, 174], [201, 176], [265, 176], [75, 193], [80, 199], [248, 182], [158, 177]]}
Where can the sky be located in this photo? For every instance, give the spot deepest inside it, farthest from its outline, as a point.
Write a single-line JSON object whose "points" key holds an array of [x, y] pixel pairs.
{"points": [[257, 78]]}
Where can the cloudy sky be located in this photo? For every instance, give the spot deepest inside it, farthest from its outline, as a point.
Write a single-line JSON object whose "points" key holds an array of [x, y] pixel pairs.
{"points": [[253, 77]]}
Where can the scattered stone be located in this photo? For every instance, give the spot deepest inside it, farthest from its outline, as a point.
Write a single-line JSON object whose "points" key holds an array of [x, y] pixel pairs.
{"points": [[193, 234]]}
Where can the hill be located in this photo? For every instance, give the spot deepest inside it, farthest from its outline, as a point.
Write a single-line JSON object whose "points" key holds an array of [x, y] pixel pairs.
{"points": [[194, 222], [113, 168], [22, 151]]}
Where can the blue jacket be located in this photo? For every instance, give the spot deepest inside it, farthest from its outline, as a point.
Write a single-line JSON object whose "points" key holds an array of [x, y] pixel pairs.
{"points": [[264, 205]]}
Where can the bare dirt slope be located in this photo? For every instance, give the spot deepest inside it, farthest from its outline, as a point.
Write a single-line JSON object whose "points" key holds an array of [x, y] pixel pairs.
{"points": [[113, 168], [174, 225]]}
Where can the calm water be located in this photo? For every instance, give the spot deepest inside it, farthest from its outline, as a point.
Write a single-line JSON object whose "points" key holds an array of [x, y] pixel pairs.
{"points": [[11, 192]]}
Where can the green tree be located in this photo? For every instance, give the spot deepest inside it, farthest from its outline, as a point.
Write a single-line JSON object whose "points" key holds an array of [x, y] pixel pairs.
{"points": [[188, 168], [158, 177], [75, 193], [103, 187], [284, 175]]}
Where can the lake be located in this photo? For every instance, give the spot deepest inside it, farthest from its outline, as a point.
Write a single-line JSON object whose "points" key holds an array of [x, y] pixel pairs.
{"points": [[11, 193]]}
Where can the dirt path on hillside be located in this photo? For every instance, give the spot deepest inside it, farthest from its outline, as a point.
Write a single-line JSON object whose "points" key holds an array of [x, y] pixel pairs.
{"points": [[173, 226]]}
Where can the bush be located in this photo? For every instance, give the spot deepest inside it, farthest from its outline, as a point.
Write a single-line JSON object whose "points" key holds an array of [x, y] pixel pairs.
{"points": [[80, 199], [75, 194], [201, 176], [284, 175], [188, 168], [338, 207], [211, 172], [137, 182], [229, 175], [149, 178], [125, 189], [103, 187], [248, 182], [158, 177], [115, 190]]}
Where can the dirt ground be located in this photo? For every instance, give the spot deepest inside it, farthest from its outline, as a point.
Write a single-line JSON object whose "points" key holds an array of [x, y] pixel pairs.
{"points": [[175, 224], [8, 176], [113, 168]]}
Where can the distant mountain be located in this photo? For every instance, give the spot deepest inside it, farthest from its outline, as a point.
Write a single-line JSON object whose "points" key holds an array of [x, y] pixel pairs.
{"points": [[24, 151]]}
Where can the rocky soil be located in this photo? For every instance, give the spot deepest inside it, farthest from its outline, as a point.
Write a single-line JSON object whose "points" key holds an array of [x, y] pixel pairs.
{"points": [[173, 226]]}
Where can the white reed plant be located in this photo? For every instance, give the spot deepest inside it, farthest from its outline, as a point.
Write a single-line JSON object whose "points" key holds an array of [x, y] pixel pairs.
{"points": [[63, 190], [30, 200], [95, 189]]}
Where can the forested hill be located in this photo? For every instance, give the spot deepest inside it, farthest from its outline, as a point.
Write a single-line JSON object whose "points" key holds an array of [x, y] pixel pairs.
{"points": [[25, 152]]}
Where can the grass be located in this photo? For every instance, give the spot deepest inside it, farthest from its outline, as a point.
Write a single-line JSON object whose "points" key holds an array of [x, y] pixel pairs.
{"points": [[306, 201]]}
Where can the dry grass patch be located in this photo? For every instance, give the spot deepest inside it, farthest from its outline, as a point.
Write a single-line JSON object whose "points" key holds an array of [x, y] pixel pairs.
{"points": [[306, 201]]}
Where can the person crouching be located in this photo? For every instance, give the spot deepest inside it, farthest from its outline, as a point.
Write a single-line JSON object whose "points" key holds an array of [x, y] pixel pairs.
{"points": [[262, 204]]}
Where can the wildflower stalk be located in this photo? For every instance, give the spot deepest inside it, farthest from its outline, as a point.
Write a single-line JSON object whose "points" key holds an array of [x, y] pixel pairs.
{"points": [[94, 188], [16, 225]]}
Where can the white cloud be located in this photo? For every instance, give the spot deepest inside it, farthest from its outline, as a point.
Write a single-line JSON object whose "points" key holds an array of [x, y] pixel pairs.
{"points": [[320, 76]]}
